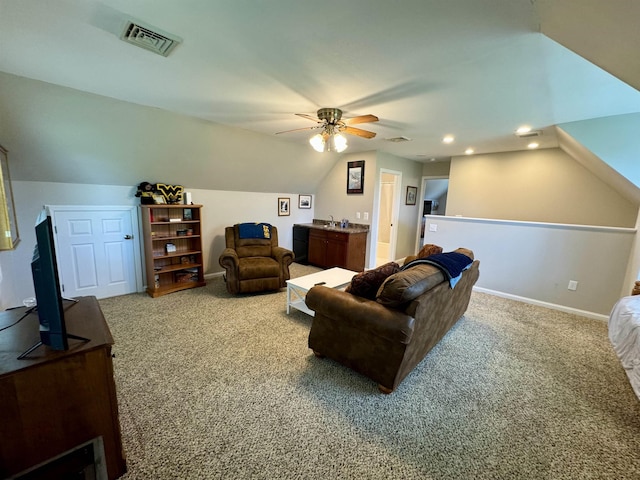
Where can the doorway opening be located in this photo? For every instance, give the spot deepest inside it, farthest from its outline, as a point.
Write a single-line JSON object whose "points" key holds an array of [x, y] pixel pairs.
{"points": [[388, 212], [433, 201]]}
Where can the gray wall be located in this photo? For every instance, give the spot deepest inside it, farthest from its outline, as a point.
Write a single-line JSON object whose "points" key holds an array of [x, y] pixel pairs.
{"points": [[409, 214], [535, 261], [539, 186], [332, 198]]}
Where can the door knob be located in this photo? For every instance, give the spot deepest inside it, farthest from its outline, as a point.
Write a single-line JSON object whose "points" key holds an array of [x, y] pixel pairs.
{"points": [[128, 237]]}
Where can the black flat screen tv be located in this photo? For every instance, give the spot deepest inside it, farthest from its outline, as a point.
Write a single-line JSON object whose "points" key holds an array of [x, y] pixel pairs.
{"points": [[49, 301], [46, 284]]}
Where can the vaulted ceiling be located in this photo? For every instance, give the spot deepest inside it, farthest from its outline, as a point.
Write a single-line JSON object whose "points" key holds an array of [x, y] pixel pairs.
{"points": [[476, 69]]}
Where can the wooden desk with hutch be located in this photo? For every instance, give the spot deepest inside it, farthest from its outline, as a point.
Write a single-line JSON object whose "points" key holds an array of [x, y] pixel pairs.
{"points": [[53, 401]]}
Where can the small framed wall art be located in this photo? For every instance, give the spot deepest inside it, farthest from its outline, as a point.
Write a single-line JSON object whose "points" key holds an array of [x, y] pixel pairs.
{"points": [[284, 206], [304, 201], [412, 193], [355, 177]]}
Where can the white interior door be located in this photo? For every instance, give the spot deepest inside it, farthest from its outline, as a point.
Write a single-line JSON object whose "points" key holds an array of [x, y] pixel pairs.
{"points": [[96, 251]]}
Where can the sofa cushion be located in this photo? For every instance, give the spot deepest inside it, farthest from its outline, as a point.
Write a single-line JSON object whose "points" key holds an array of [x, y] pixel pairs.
{"points": [[253, 247], [257, 267], [403, 287], [366, 284]]}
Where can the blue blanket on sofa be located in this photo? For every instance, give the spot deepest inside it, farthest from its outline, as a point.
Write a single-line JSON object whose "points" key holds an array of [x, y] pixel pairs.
{"points": [[254, 230], [452, 264]]}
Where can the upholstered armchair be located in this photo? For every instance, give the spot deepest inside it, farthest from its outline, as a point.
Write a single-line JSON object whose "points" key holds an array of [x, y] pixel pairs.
{"points": [[253, 260]]}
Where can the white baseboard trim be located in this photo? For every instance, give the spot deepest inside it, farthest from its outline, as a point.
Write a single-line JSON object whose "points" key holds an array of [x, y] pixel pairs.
{"points": [[553, 306], [207, 276]]}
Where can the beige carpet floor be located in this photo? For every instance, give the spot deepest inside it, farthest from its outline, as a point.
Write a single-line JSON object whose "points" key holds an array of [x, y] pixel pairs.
{"points": [[212, 386]]}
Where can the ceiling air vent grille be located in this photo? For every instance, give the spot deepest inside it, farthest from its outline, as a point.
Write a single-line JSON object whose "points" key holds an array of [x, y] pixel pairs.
{"points": [[149, 38], [398, 139], [529, 134]]}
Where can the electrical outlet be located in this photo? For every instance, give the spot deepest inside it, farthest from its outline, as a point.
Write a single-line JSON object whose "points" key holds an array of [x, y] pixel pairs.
{"points": [[433, 227], [573, 285], [366, 215], [358, 215]]}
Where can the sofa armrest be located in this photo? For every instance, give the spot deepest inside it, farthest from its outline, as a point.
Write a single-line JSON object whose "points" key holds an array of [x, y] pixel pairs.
{"points": [[229, 259], [360, 313], [282, 255]]}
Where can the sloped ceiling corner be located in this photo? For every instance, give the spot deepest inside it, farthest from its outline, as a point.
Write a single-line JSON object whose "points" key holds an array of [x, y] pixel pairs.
{"points": [[575, 147], [604, 32], [58, 134]]}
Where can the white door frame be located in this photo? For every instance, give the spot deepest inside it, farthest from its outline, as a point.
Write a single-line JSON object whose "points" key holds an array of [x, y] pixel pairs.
{"points": [[421, 200], [135, 225], [395, 214]]}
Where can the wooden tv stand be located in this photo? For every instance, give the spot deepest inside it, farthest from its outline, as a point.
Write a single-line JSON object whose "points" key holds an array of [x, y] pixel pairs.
{"points": [[53, 401]]}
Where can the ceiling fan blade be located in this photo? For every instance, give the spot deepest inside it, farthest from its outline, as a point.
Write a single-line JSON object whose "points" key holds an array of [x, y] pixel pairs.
{"points": [[359, 132], [309, 117], [298, 129], [361, 119]]}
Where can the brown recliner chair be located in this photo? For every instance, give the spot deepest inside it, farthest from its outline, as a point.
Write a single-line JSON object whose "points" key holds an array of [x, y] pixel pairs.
{"points": [[254, 264]]}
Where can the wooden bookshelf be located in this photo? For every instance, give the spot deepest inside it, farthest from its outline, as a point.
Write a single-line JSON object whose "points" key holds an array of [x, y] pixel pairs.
{"points": [[172, 247]]}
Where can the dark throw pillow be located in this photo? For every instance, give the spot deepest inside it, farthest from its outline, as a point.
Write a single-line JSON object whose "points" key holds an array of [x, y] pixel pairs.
{"points": [[366, 284]]}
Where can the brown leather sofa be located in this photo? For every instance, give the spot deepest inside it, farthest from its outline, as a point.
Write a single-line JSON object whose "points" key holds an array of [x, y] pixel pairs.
{"points": [[254, 264], [387, 337]]}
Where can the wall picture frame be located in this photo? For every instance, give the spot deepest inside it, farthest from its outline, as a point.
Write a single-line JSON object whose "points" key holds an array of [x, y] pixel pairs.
{"points": [[412, 193], [355, 177], [8, 220], [304, 201], [284, 206]]}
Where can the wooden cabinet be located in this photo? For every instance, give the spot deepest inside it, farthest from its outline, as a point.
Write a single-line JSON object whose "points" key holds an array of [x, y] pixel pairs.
{"points": [[172, 247], [53, 401], [329, 248]]}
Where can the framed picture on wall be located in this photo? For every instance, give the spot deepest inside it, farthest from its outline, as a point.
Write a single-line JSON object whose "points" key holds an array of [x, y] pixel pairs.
{"points": [[8, 219], [284, 206], [304, 201], [412, 193], [355, 177]]}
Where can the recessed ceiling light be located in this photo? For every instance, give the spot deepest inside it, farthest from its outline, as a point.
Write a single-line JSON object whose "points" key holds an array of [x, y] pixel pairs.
{"points": [[533, 145], [523, 129], [469, 151], [448, 139]]}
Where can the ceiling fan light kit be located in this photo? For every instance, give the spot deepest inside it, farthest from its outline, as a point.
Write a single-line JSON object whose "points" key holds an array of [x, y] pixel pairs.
{"points": [[329, 143], [331, 123]]}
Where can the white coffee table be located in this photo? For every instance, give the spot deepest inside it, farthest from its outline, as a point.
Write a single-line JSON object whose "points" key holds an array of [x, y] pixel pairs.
{"points": [[297, 288]]}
